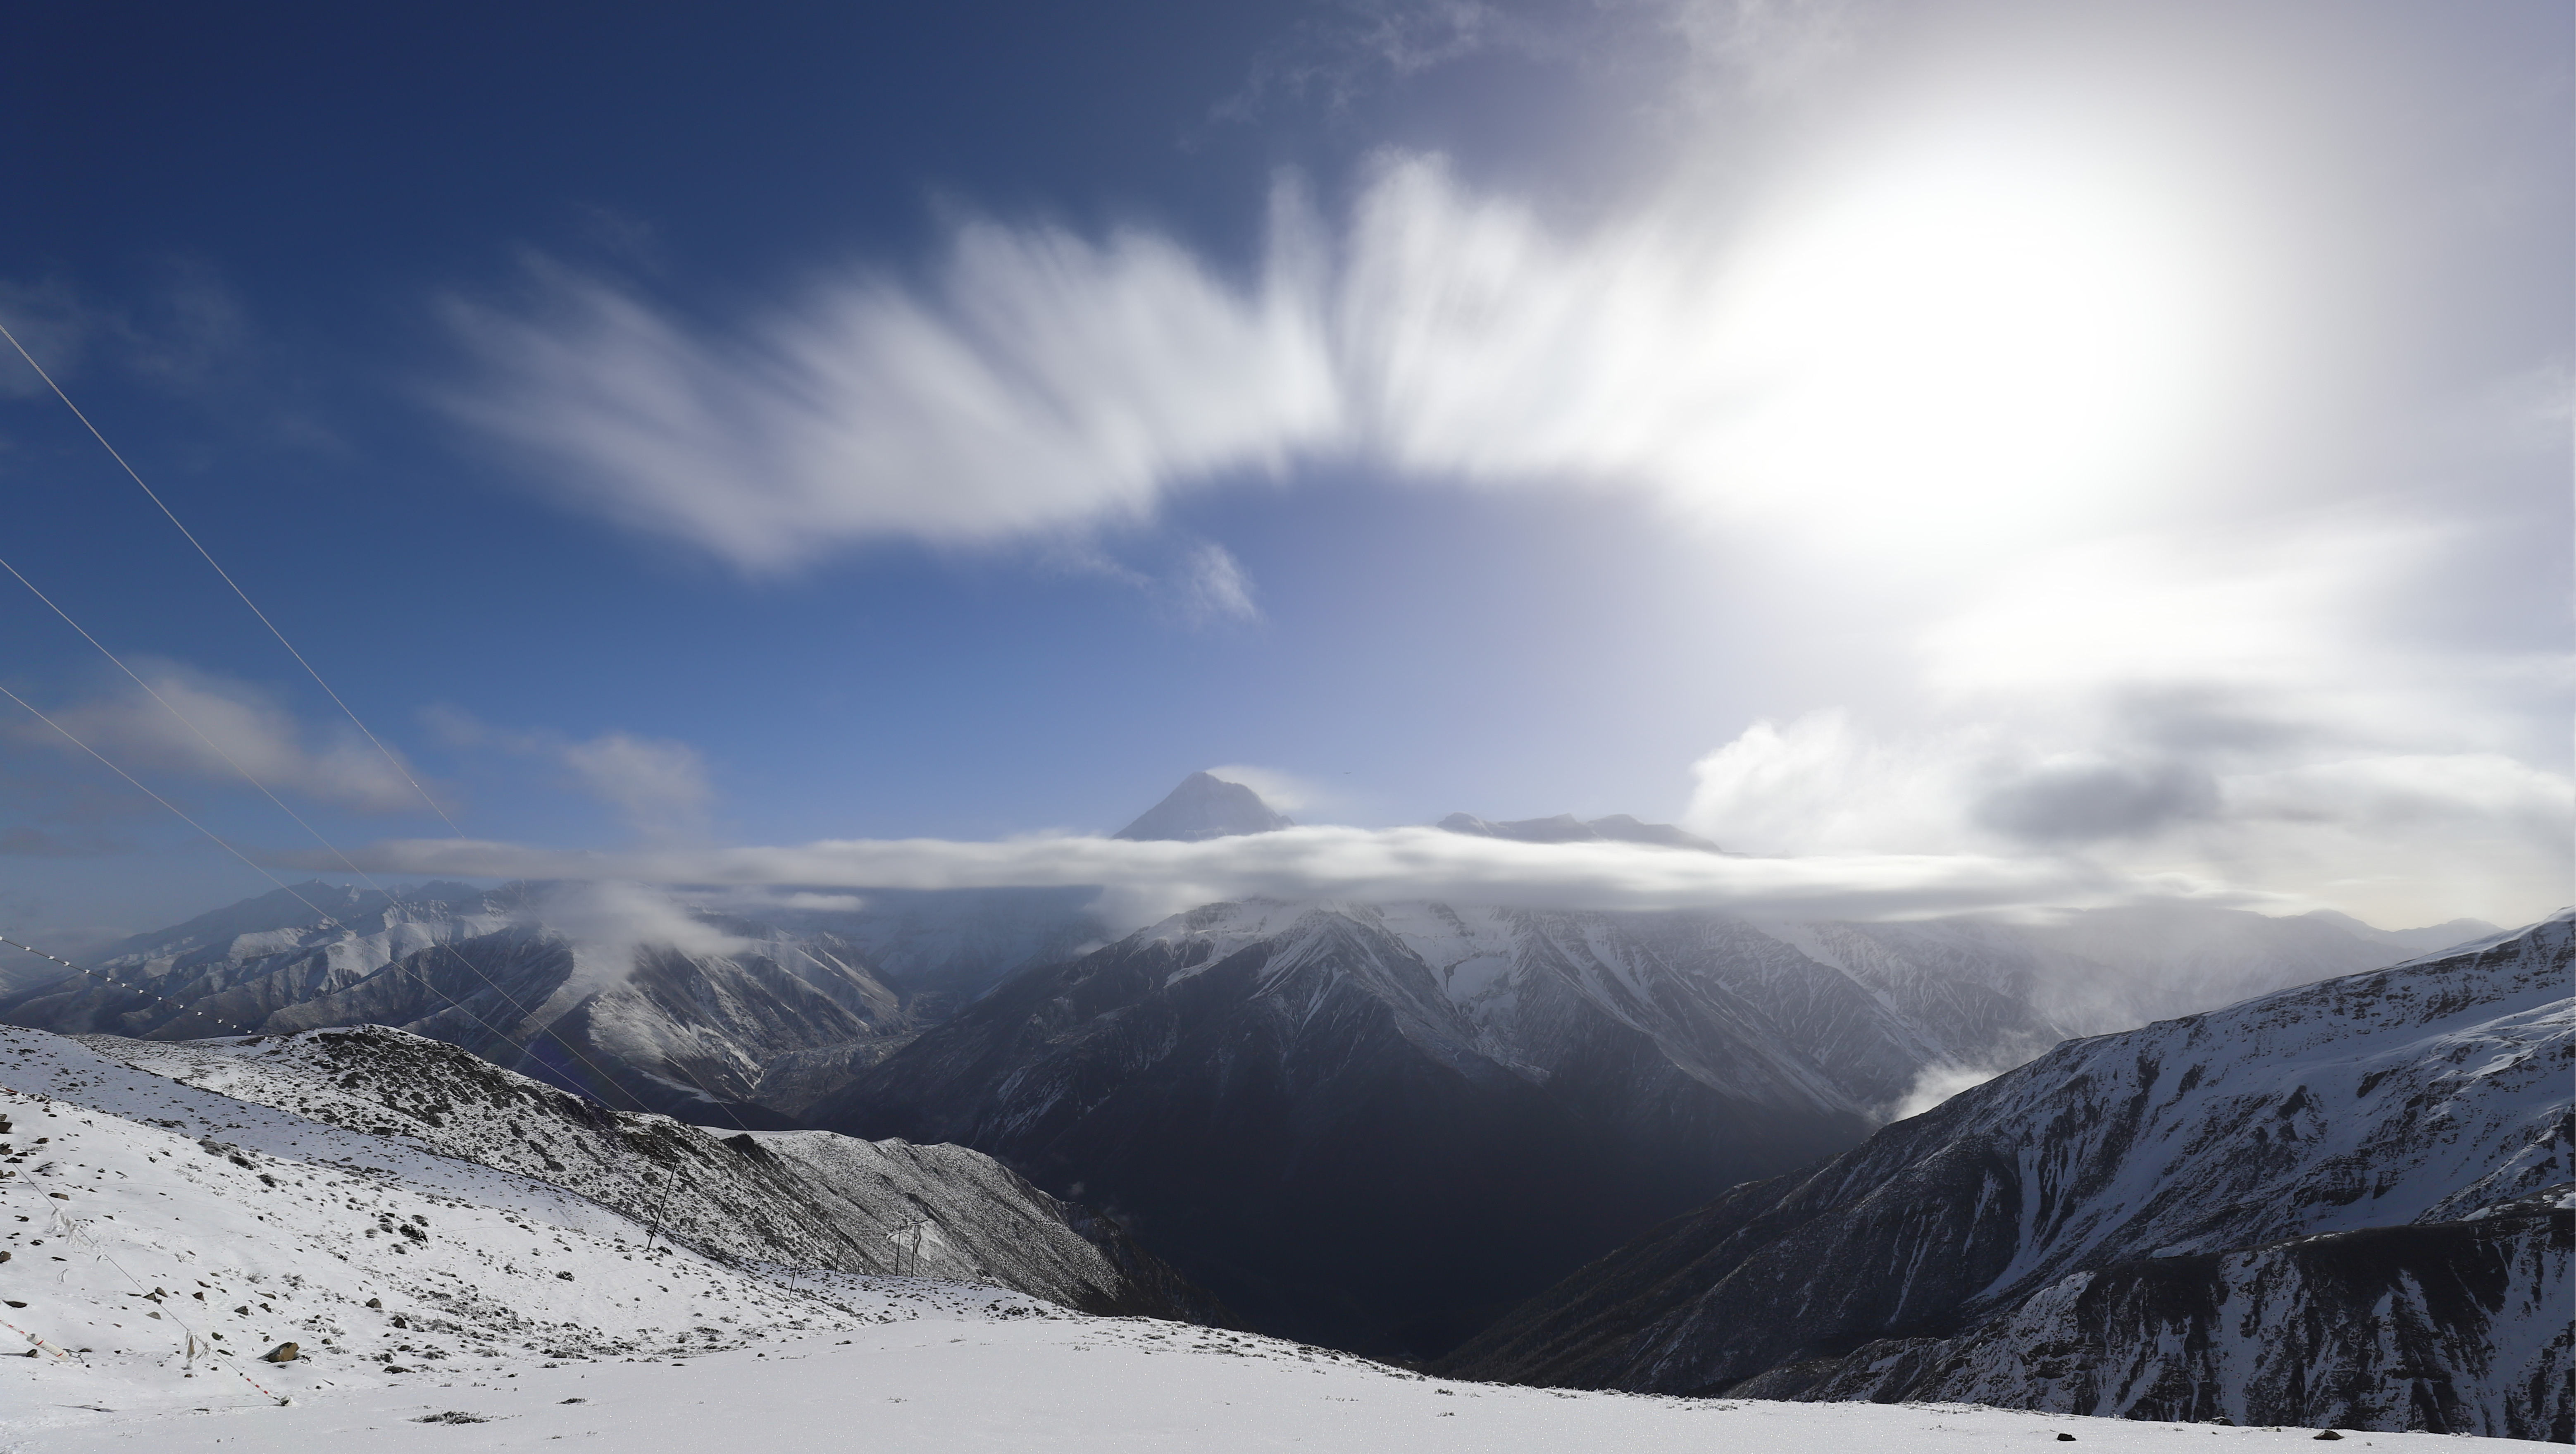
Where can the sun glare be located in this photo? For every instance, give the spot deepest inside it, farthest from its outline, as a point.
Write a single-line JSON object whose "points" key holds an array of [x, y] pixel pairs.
{"points": [[1948, 345]]}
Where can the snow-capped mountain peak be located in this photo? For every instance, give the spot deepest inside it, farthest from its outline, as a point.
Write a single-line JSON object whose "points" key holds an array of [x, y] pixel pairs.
{"points": [[1205, 806]]}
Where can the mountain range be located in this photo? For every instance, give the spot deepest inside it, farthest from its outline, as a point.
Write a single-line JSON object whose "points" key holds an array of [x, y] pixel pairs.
{"points": [[1378, 1126], [1375, 1125]]}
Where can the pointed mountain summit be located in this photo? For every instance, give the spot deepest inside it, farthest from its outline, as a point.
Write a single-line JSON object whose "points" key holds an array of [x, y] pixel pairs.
{"points": [[1204, 807]]}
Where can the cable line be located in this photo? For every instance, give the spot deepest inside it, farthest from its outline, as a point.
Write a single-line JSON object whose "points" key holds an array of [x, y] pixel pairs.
{"points": [[525, 1016], [148, 492], [185, 721], [390, 758]]}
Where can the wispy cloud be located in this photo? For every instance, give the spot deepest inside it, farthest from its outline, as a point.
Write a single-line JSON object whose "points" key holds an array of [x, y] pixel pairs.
{"points": [[1215, 587], [1357, 46], [2221, 707], [227, 722], [181, 336], [1147, 880], [1040, 382], [1695, 52], [658, 785], [1771, 48], [616, 919]]}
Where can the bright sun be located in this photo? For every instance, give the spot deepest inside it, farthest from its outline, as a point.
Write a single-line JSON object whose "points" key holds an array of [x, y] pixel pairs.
{"points": [[1948, 344]]}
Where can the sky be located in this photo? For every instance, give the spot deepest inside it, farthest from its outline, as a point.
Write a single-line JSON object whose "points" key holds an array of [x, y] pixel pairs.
{"points": [[1962, 456]]}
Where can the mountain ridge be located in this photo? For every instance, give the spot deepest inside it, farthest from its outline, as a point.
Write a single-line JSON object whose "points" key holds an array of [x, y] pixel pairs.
{"points": [[2237, 1137]]}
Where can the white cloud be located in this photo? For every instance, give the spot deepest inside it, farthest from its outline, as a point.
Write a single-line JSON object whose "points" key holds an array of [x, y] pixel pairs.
{"points": [[2268, 705], [1937, 1083], [659, 786], [1974, 367], [2043, 325], [615, 919], [1148, 879], [1215, 587], [2483, 789], [1284, 791], [1041, 382], [229, 728], [1820, 785]]}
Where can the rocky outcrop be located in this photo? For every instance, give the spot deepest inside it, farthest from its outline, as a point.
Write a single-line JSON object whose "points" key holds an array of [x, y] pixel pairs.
{"points": [[2450, 1327]]}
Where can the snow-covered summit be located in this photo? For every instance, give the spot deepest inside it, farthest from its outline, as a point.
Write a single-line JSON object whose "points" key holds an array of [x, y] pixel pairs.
{"points": [[1202, 807]]}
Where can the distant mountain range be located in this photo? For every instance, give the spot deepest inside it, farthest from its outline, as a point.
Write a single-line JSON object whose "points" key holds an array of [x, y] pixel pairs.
{"points": [[792, 1006], [1374, 1125]]}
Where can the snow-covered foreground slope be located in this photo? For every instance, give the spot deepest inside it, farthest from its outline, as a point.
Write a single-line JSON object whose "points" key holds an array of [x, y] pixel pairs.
{"points": [[172, 1234], [397, 1105], [803, 1198], [150, 1225], [2344, 1200], [1062, 1386]]}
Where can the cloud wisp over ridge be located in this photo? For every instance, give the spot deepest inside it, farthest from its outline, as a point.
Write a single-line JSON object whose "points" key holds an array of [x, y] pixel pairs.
{"points": [[1145, 880]]}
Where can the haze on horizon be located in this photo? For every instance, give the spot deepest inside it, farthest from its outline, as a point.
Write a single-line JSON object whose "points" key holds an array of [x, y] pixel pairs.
{"points": [[1970, 456]]}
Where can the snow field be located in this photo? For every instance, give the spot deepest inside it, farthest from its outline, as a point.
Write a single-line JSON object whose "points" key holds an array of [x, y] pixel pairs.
{"points": [[166, 1251], [1073, 1386]]}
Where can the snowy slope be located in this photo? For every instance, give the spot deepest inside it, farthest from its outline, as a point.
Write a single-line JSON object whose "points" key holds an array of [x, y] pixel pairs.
{"points": [[142, 1214], [806, 1199], [2417, 1097], [2445, 1326], [516, 1314], [663, 1001], [1063, 1386]]}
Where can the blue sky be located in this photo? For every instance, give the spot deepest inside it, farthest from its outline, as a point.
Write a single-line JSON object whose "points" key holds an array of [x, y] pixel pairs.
{"points": [[2124, 439]]}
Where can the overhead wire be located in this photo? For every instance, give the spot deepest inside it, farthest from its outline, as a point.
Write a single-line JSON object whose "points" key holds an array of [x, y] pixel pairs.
{"points": [[249, 777], [184, 720], [209, 558], [525, 1015], [720, 1103], [327, 920]]}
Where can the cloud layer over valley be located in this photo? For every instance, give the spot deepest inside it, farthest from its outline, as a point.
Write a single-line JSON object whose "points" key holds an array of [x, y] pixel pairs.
{"points": [[1143, 881]]}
